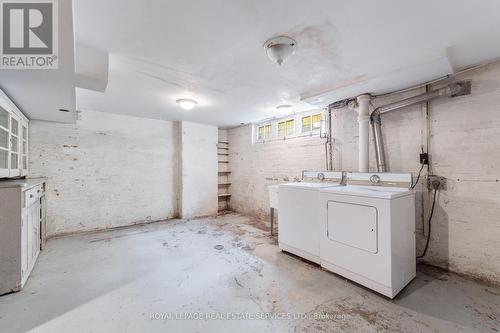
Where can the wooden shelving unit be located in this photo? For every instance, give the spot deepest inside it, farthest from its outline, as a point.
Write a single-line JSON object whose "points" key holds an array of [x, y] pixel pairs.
{"points": [[224, 174]]}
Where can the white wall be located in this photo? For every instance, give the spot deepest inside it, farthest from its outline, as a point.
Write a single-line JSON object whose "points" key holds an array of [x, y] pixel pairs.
{"points": [[464, 148], [105, 171], [199, 169], [255, 166]]}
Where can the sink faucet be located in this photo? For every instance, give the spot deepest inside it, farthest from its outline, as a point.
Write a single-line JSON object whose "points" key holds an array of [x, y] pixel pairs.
{"points": [[343, 180]]}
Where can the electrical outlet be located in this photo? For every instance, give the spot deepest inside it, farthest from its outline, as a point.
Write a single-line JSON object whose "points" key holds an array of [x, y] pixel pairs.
{"points": [[436, 183], [424, 158]]}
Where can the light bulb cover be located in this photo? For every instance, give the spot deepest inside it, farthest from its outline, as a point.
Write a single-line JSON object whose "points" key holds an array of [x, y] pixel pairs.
{"points": [[284, 107], [187, 103], [280, 48]]}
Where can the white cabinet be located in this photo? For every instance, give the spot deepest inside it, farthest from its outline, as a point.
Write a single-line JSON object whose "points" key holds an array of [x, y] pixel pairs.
{"points": [[22, 230], [13, 139]]}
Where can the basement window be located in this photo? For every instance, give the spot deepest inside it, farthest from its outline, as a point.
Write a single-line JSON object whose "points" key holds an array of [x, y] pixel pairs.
{"points": [[304, 124], [264, 132], [311, 124], [286, 128]]}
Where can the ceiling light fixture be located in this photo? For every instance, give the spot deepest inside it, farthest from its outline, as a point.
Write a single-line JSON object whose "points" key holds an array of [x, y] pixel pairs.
{"points": [[187, 103], [284, 107], [280, 48]]}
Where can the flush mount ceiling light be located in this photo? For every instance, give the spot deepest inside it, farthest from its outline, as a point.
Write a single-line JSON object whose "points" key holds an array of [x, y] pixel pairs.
{"points": [[283, 107], [280, 48], [186, 103]]}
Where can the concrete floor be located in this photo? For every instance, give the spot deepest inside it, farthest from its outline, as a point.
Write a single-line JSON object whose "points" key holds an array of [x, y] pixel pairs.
{"points": [[150, 278]]}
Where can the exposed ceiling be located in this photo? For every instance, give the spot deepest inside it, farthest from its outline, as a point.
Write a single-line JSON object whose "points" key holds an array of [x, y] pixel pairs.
{"points": [[211, 51]]}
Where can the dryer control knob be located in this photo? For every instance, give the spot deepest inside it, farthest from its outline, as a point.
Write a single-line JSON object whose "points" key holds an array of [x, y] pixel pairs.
{"points": [[321, 176], [375, 179]]}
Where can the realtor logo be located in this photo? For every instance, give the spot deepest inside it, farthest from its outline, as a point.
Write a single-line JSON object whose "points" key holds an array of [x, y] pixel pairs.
{"points": [[29, 34]]}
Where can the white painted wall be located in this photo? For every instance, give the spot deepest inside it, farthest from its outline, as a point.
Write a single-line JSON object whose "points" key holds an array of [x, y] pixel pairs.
{"points": [[255, 166], [105, 171], [199, 169], [464, 148]]}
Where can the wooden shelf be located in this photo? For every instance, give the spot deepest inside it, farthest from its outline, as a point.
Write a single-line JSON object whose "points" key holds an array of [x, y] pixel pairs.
{"points": [[224, 172], [223, 154], [223, 161], [225, 148], [225, 195], [225, 142], [224, 184]]}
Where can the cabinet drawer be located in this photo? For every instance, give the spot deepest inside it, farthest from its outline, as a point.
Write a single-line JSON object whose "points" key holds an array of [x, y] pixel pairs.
{"points": [[33, 194]]}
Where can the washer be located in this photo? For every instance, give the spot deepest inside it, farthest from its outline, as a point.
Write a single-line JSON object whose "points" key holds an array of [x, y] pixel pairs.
{"points": [[367, 233], [299, 224]]}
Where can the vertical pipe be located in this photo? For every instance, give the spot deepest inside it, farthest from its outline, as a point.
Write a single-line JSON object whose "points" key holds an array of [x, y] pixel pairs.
{"points": [[330, 143], [378, 141], [364, 127]]}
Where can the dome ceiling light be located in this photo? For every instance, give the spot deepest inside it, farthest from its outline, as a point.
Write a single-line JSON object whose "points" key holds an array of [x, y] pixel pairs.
{"points": [[280, 48], [187, 103], [284, 107]]}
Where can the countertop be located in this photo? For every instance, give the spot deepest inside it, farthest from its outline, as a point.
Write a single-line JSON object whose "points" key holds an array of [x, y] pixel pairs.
{"points": [[28, 182]]}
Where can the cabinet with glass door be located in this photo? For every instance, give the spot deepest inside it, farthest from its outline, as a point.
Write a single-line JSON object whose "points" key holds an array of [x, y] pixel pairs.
{"points": [[13, 140]]}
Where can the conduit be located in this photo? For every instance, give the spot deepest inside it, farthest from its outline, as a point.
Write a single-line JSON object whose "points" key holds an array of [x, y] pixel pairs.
{"points": [[379, 143], [362, 106], [329, 145], [451, 90]]}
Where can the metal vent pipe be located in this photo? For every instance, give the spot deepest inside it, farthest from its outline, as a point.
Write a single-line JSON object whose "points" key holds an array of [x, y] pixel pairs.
{"points": [[379, 142], [454, 89]]}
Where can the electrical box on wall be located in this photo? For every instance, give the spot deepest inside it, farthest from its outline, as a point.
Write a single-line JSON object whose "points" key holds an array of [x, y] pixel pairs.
{"points": [[424, 158]]}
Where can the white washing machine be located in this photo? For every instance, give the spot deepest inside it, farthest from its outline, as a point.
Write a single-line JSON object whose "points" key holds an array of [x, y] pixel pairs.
{"points": [[298, 206], [368, 232]]}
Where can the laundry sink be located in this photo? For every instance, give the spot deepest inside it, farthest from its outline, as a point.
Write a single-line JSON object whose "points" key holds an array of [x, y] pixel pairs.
{"points": [[273, 195]]}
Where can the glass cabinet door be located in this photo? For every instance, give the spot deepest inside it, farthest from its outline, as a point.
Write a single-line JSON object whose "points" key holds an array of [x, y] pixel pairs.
{"points": [[4, 140], [24, 148], [14, 147], [13, 140]]}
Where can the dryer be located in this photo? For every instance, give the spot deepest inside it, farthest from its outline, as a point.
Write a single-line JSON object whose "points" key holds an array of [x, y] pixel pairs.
{"points": [[299, 213], [367, 233]]}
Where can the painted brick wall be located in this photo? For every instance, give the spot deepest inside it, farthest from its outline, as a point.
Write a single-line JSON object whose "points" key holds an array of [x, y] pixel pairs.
{"points": [[255, 166], [199, 169], [464, 148], [105, 171]]}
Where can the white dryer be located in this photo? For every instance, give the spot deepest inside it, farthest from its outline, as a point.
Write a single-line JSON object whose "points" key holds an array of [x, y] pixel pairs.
{"points": [[299, 213], [368, 232]]}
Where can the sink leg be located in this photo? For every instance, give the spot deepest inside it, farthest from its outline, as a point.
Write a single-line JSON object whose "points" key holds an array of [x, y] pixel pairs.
{"points": [[272, 220]]}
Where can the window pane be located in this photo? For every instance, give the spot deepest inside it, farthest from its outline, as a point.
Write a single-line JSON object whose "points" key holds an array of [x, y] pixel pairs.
{"points": [[289, 127], [261, 133], [15, 127], [4, 139], [267, 133], [306, 124], [3, 159], [25, 162], [25, 133], [316, 122], [24, 147], [14, 161], [281, 129], [4, 118], [15, 145]]}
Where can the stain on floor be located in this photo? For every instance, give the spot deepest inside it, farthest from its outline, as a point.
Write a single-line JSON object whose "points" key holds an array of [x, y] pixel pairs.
{"points": [[224, 274]]}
